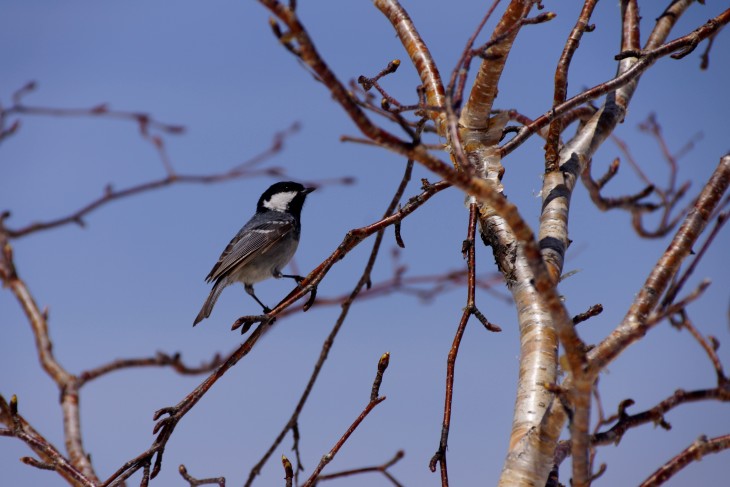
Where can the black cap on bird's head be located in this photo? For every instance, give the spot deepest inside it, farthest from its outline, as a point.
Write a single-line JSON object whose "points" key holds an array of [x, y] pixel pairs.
{"points": [[285, 196]]}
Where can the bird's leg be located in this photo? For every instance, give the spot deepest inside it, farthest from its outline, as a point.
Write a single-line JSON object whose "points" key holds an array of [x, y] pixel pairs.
{"points": [[299, 279], [249, 290], [279, 275]]}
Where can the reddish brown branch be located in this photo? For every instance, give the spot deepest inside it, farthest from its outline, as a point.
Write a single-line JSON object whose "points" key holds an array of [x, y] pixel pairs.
{"points": [[165, 427], [628, 202], [646, 59], [634, 324], [469, 250], [288, 471], [65, 381], [561, 83], [475, 116], [336, 448], [669, 195], [246, 169], [677, 286], [594, 310], [144, 121], [656, 414], [51, 458], [390, 109], [709, 345], [419, 54], [693, 453], [457, 82], [291, 424], [159, 360], [383, 469], [352, 239], [221, 481]]}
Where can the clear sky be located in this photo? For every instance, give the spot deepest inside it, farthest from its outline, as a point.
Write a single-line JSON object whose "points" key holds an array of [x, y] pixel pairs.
{"points": [[130, 283]]}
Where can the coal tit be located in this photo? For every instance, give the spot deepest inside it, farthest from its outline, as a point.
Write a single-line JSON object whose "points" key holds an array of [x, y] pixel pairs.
{"points": [[263, 246]]}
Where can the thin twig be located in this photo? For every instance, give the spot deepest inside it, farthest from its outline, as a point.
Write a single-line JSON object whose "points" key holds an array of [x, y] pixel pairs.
{"points": [[469, 249], [561, 83], [633, 325], [221, 481], [419, 54], [374, 401], [364, 279], [246, 169], [693, 453], [165, 426], [51, 458], [646, 59], [159, 360], [709, 345], [383, 469], [677, 286]]}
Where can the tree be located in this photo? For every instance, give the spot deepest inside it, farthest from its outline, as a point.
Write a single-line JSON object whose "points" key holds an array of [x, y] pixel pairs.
{"points": [[462, 141]]}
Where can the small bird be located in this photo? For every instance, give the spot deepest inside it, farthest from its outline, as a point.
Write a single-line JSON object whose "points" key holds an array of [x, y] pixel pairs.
{"points": [[264, 245]]}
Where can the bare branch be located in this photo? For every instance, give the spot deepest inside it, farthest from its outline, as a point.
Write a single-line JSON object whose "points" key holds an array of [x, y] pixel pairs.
{"points": [[634, 325], [288, 471], [382, 365], [352, 239], [561, 83], [346, 305], [166, 426], [419, 54], [145, 122], [647, 58], [221, 481], [594, 310], [66, 382], [701, 447], [383, 469], [51, 458], [475, 116], [246, 169], [677, 286], [656, 414], [159, 360], [469, 251], [709, 345], [457, 82]]}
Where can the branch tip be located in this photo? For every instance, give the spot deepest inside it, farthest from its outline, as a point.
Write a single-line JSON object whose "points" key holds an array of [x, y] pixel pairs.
{"points": [[382, 366], [14, 406], [288, 469], [37, 463]]}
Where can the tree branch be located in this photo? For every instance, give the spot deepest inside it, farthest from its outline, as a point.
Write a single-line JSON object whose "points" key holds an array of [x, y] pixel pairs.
{"points": [[651, 53], [419, 54], [246, 169], [375, 399], [633, 326], [698, 449]]}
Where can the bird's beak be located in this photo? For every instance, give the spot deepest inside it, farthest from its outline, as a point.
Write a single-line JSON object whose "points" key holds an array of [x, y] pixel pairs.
{"points": [[308, 190]]}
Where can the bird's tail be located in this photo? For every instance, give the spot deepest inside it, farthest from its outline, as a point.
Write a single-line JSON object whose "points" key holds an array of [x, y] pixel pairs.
{"points": [[210, 302]]}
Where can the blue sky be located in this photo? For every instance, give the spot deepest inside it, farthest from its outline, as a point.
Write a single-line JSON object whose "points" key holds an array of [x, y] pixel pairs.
{"points": [[130, 283]]}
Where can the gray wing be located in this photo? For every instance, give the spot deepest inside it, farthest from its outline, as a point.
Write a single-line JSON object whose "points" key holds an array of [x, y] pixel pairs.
{"points": [[260, 236]]}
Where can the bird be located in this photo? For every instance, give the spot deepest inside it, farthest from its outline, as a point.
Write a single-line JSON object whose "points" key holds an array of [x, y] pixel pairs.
{"points": [[263, 246]]}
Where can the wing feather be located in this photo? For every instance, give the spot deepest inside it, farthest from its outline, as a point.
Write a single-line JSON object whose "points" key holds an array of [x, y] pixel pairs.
{"points": [[259, 239]]}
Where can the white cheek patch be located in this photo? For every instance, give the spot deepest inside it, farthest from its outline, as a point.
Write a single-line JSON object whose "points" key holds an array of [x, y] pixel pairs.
{"points": [[280, 201]]}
